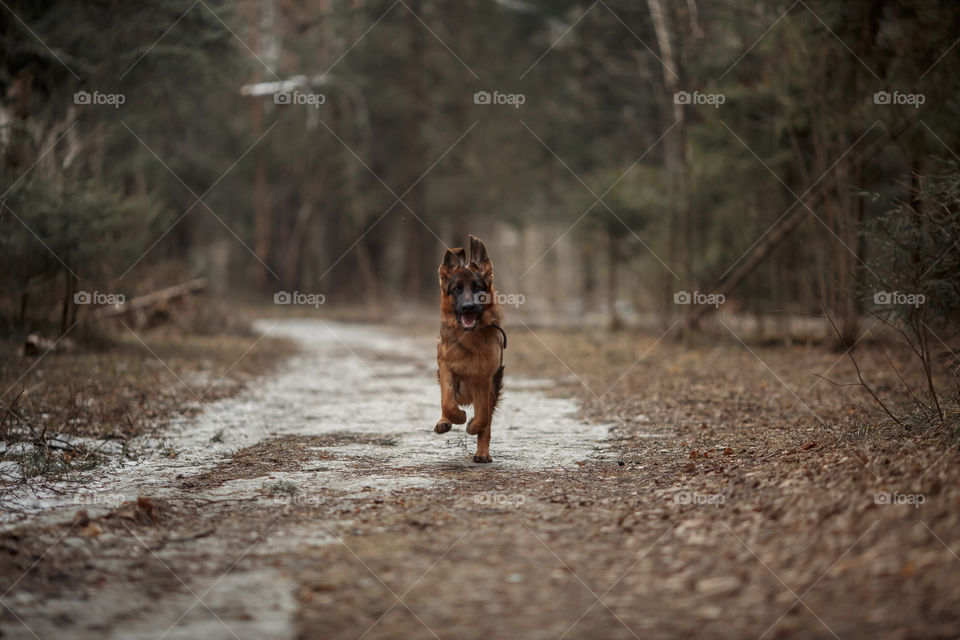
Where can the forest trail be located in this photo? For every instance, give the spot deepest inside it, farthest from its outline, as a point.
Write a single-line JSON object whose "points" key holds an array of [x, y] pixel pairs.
{"points": [[349, 419], [318, 503]]}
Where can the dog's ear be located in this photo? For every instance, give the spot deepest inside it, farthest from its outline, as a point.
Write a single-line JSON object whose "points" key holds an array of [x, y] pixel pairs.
{"points": [[479, 258], [452, 260]]}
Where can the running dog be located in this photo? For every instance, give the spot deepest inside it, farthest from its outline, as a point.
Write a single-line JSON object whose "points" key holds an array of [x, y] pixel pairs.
{"points": [[469, 349]]}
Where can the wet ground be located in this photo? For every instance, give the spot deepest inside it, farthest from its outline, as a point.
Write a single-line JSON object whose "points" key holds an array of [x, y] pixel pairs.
{"points": [[373, 393], [700, 501], [349, 418]]}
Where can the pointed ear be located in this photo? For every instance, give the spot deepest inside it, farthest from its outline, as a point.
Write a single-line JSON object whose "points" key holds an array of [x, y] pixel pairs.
{"points": [[452, 260], [479, 258]]}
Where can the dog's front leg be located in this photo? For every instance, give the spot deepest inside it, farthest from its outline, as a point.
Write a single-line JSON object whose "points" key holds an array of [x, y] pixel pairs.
{"points": [[452, 414], [482, 417]]}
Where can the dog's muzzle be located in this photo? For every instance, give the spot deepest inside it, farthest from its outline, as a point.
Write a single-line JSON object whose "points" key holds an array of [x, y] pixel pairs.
{"points": [[469, 315]]}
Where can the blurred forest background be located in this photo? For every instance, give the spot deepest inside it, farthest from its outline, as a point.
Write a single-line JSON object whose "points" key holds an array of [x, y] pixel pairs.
{"points": [[791, 157]]}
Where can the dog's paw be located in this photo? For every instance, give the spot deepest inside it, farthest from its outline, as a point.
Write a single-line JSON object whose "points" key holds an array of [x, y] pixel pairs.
{"points": [[473, 427], [443, 426], [482, 459]]}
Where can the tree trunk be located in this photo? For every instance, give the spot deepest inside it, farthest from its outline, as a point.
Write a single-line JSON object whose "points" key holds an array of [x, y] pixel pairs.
{"points": [[613, 237], [675, 150], [69, 288], [264, 43], [414, 231], [850, 329]]}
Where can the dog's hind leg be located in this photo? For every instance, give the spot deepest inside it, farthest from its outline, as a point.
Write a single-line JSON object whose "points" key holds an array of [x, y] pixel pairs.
{"points": [[483, 437], [476, 425], [483, 447], [480, 424]]}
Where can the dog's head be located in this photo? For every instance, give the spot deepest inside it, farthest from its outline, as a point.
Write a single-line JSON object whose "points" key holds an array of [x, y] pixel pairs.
{"points": [[467, 285]]}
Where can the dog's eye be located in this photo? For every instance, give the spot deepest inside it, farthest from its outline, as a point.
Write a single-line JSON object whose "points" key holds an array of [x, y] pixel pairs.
{"points": [[458, 288]]}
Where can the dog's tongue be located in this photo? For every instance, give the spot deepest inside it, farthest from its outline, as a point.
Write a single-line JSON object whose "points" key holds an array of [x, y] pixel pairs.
{"points": [[468, 319]]}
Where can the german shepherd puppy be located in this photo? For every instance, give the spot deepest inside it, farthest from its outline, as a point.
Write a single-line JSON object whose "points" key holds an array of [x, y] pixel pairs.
{"points": [[469, 351]]}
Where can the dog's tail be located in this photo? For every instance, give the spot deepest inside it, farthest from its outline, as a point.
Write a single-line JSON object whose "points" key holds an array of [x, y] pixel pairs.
{"points": [[496, 389]]}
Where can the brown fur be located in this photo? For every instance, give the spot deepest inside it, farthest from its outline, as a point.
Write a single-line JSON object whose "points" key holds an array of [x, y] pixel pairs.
{"points": [[469, 361]]}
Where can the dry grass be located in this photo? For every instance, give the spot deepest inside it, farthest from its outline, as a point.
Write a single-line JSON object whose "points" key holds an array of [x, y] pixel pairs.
{"points": [[68, 411]]}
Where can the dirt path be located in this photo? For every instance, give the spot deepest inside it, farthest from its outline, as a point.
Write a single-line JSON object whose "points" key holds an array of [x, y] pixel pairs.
{"points": [[350, 419], [320, 504]]}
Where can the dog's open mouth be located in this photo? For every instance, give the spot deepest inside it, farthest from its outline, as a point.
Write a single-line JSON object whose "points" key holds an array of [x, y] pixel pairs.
{"points": [[468, 320]]}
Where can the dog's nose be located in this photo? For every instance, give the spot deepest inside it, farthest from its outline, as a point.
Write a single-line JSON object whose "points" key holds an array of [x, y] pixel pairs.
{"points": [[472, 308]]}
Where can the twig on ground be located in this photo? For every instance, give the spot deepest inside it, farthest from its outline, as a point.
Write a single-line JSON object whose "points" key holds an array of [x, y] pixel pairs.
{"points": [[856, 366]]}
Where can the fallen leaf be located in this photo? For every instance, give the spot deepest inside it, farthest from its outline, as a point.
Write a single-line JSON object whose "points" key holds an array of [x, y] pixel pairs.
{"points": [[81, 518], [908, 570]]}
